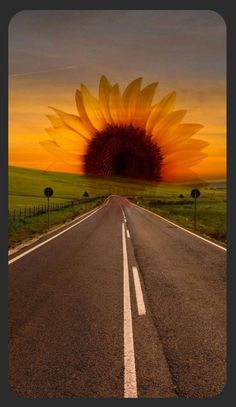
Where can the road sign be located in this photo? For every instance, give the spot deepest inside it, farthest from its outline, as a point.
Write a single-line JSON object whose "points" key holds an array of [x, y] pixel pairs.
{"points": [[48, 192], [195, 193]]}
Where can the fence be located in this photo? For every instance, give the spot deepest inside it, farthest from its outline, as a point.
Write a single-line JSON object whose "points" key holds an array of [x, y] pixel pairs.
{"points": [[29, 211]]}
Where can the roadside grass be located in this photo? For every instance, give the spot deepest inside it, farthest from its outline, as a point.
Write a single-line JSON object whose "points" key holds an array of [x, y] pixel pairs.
{"points": [[28, 228], [26, 186], [211, 213]]}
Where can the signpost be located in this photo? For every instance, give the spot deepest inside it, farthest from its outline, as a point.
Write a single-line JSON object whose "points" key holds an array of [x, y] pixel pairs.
{"points": [[195, 193], [48, 192]]}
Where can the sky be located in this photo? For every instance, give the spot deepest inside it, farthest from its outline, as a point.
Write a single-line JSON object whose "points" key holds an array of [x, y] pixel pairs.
{"points": [[52, 52]]}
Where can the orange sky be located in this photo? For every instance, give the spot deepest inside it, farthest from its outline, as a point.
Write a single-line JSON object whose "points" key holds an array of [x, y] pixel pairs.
{"points": [[32, 88]]}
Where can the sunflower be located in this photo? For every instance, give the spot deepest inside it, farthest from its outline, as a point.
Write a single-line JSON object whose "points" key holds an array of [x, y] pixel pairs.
{"points": [[125, 135]]}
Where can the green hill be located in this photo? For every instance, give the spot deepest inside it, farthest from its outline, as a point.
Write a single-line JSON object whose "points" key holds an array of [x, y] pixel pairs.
{"points": [[26, 187]]}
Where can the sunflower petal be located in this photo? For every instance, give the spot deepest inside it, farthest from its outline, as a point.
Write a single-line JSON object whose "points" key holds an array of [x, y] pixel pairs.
{"points": [[55, 121], [130, 98], [68, 140], [144, 103], [189, 145], [160, 111], [164, 128], [82, 112], [184, 158], [53, 148], [116, 105], [184, 131], [92, 108], [104, 94], [73, 122]]}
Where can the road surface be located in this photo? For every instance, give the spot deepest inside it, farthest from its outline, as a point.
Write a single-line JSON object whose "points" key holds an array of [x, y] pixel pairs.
{"points": [[120, 304]]}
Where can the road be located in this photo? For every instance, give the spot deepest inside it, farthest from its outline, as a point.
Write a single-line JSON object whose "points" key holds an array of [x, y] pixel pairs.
{"points": [[121, 304]]}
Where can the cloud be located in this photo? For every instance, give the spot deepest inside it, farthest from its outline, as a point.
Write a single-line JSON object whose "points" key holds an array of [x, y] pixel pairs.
{"points": [[65, 68]]}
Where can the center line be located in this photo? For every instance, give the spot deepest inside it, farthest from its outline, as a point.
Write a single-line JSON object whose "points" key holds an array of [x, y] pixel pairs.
{"points": [[138, 292], [130, 380]]}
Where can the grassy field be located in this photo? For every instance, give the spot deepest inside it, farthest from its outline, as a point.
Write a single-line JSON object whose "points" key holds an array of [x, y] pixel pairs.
{"points": [[26, 189], [211, 213], [24, 229]]}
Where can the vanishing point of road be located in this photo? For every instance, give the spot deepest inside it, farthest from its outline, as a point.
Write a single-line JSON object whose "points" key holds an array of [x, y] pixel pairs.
{"points": [[120, 303]]}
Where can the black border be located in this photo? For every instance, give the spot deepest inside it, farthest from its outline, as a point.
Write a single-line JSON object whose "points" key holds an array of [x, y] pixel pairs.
{"points": [[225, 10]]}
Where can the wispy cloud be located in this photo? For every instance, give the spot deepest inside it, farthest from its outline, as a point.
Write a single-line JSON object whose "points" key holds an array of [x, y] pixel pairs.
{"points": [[65, 68]]}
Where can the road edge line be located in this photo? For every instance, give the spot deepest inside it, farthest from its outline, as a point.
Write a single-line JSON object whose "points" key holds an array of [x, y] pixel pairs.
{"points": [[180, 227], [53, 237]]}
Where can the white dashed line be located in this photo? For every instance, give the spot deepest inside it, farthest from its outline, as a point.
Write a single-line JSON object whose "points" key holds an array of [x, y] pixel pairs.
{"points": [[138, 291], [130, 379], [128, 235]]}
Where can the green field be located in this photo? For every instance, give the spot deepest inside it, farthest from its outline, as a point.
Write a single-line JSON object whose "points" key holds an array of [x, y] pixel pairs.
{"points": [[21, 230], [26, 190], [26, 187], [211, 213]]}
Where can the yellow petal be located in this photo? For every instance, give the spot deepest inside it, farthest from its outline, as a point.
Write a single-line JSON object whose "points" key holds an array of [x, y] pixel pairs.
{"points": [[184, 131], [116, 105], [104, 95], [184, 158], [92, 108], [179, 135], [55, 121], [130, 98], [144, 103], [82, 112], [53, 148], [73, 122], [192, 144], [164, 127], [68, 140], [161, 110]]}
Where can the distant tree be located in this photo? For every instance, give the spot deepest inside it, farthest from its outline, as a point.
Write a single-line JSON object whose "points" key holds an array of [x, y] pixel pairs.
{"points": [[181, 196], [85, 194]]}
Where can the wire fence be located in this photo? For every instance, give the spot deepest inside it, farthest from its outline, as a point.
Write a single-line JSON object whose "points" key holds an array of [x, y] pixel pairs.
{"points": [[30, 211]]}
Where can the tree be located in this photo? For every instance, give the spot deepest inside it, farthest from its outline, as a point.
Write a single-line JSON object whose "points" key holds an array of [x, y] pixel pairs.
{"points": [[181, 196], [85, 194]]}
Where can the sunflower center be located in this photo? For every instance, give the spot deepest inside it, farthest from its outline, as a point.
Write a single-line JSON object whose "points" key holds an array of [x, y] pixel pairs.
{"points": [[123, 151]]}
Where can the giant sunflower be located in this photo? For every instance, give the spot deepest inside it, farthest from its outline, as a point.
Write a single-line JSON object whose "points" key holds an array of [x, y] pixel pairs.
{"points": [[125, 135]]}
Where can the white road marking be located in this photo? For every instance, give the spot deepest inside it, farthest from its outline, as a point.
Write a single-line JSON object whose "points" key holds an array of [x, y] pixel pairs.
{"points": [[123, 213], [186, 230], [130, 380], [128, 235], [138, 291], [55, 236]]}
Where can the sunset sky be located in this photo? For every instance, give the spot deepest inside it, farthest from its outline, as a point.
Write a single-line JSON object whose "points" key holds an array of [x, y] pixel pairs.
{"points": [[52, 52]]}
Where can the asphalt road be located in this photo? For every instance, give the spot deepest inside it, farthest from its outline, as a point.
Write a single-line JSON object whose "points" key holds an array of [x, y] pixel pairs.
{"points": [[121, 304]]}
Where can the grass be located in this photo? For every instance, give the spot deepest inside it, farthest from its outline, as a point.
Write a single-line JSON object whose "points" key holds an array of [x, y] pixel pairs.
{"points": [[211, 213], [26, 189], [28, 228]]}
